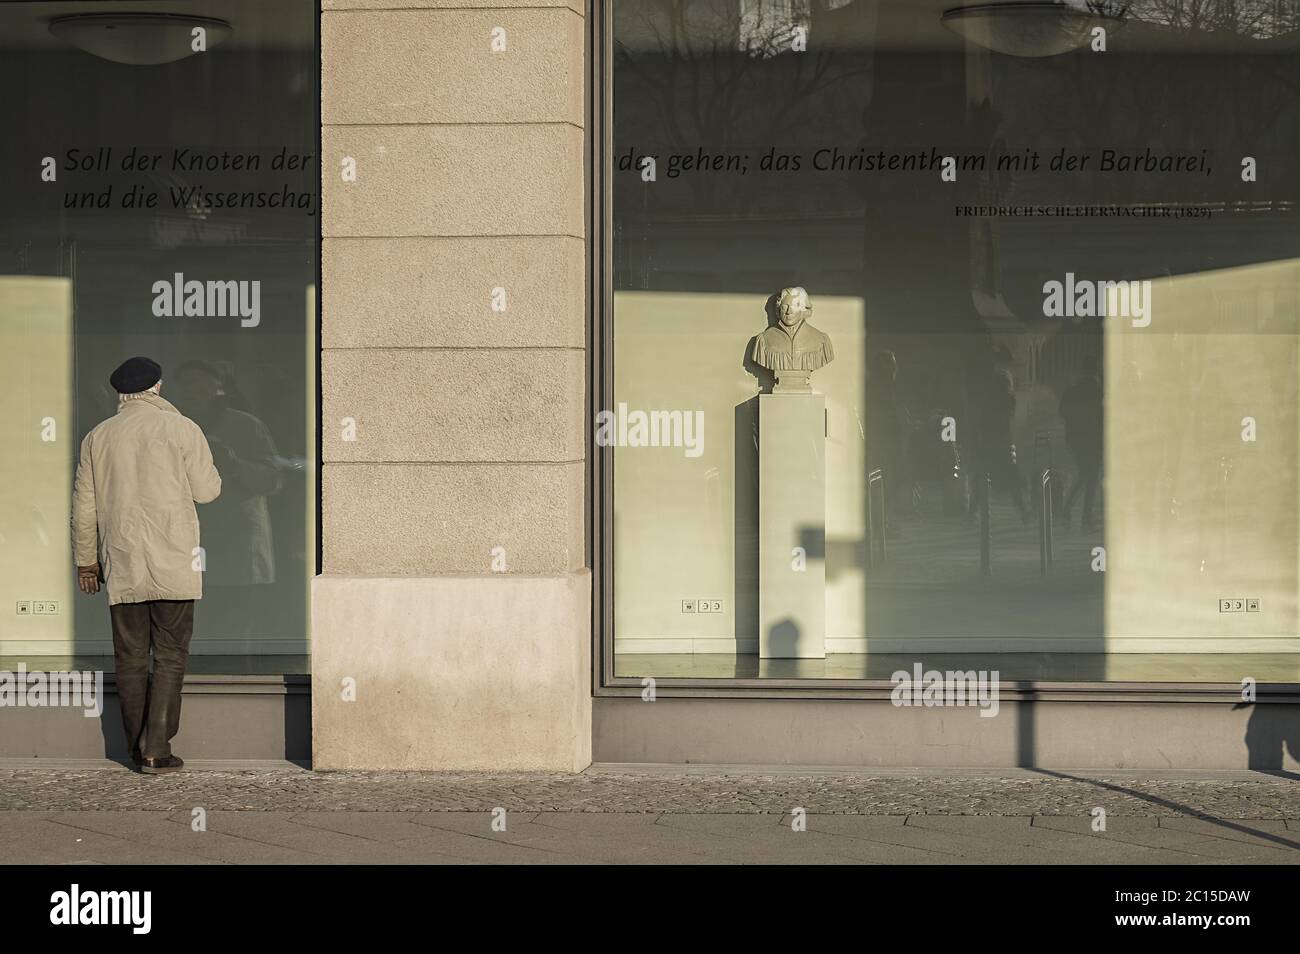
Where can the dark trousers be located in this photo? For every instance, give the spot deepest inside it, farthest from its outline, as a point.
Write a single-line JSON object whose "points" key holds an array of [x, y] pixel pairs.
{"points": [[151, 707]]}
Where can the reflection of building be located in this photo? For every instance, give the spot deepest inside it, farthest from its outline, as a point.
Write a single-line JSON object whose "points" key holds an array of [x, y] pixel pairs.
{"points": [[497, 588]]}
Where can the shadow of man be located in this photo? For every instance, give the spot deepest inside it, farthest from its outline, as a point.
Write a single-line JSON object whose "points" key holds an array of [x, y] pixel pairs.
{"points": [[1271, 733]]}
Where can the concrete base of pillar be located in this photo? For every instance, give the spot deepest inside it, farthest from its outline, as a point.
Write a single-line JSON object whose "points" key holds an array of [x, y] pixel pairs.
{"points": [[455, 672]]}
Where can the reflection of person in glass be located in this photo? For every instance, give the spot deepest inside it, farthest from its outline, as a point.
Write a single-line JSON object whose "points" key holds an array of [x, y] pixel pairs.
{"points": [[887, 422], [237, 527], [1081, 409], [134, 526], [996, 410]]}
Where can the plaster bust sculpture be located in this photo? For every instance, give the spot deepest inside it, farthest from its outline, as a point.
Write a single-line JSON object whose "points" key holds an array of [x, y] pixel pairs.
{"points": [[793, 348]]}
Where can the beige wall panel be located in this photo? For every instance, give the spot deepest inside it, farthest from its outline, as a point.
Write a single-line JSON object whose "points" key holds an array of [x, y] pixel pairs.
{"points": [[686, 527], [454, 673], [453, 180], [438, 292], [39, 435], [481, 405], [679, 532], [1195, 513], [426, 66], [577, 6], [428, 519]]}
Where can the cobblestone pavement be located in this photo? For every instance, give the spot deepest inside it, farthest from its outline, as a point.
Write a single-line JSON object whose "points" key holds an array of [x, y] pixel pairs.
{"points": [[603, 816], [1022, 793]]}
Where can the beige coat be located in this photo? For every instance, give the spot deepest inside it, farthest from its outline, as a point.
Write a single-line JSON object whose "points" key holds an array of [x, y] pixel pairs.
{"points": [[139, 476]]}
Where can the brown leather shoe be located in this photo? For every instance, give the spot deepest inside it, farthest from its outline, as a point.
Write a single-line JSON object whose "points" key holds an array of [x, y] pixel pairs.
{"points": [[171, 763]]}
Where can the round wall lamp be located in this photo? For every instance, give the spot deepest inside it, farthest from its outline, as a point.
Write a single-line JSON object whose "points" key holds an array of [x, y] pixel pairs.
{"points": [[139, 39], [1033, 28]]}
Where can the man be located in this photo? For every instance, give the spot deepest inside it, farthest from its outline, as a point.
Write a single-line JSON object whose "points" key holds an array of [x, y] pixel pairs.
{"points": [[1081, 409], [134, 526]]}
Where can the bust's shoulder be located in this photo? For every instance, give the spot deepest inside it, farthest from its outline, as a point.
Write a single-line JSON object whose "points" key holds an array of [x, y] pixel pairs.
{"points": [[814, 331]]}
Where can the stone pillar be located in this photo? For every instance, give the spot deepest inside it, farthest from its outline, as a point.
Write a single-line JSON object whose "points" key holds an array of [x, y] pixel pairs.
{"points": [[792, 514], [454, 594]]}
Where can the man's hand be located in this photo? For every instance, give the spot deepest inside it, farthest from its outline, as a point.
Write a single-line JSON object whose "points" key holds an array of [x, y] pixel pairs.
{"points": [[88, 578]]}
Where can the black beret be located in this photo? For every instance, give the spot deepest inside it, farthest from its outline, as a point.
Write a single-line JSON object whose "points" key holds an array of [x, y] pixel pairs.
{"points": [[135, 374]]}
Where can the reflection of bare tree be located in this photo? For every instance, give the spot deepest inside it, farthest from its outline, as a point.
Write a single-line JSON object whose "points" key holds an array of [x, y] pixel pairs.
{"points": [[730, 77], [1108, 103], [1256, 19], [1107, 8]]}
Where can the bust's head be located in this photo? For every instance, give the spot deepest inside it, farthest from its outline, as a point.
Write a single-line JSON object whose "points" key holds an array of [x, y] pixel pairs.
{"points": [[792, 306]]}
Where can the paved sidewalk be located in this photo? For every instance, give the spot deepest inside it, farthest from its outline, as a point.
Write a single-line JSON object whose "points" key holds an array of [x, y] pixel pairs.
{"points": [[613, 814]]}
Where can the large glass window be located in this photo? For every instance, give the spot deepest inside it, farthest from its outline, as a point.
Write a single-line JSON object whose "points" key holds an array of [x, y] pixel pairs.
{"points": [[159, 189], [966, 339]]}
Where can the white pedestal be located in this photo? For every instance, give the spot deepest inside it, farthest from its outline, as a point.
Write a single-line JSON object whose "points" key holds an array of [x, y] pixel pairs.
{"points": [[791, 513]]}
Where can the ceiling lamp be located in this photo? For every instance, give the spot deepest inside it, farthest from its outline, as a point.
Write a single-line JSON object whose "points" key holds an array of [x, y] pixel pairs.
{"points": [[1034, 28], [139, 39]]}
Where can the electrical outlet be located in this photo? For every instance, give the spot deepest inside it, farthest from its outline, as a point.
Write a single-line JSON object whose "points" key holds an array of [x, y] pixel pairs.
{"points": [[38, 608], [710, 606], [1235, 605]]}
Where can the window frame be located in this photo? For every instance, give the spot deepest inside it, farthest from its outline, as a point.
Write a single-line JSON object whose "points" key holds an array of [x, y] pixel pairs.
{"points": [[599, 114]]}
